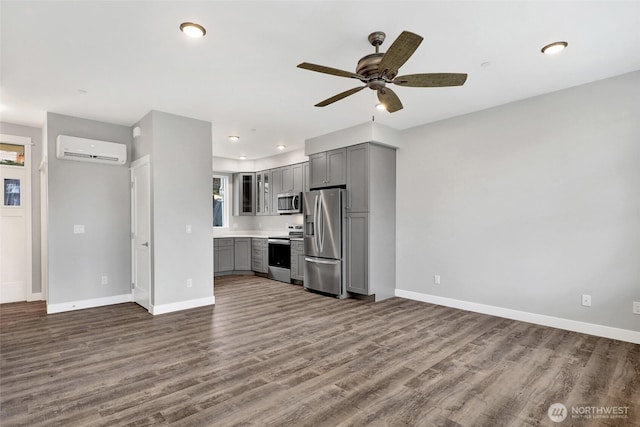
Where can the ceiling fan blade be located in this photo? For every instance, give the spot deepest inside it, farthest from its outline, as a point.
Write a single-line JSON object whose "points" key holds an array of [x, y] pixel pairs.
{"points": [[329, 70], [389, 99], [400, 50], [431, 80], [339, 96]]}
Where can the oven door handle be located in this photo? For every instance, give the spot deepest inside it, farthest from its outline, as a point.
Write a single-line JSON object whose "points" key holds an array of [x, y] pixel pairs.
{"points": [[279, 242]]}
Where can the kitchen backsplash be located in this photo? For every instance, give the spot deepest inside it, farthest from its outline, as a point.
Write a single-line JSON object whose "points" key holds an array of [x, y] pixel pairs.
{"points": [[259, 223]]}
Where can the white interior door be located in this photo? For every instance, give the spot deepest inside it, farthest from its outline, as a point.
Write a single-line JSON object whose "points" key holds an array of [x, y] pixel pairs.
{"points": [[141, 231], [15, 222]]}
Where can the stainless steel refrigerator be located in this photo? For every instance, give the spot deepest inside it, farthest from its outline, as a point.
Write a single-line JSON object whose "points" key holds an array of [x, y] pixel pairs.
{"points": [[324, 218]]}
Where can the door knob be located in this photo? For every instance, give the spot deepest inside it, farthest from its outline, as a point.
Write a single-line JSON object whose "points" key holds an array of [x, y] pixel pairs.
{"points": [[145, 244]]}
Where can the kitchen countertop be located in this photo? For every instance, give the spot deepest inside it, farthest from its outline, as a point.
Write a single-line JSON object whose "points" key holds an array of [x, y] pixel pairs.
{"points": [[250, 233], [253, 234]]}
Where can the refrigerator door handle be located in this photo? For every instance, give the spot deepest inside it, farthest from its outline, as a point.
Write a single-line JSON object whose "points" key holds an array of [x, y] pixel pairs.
{"points": [[321, 216], [316, 227], [322, 261]]}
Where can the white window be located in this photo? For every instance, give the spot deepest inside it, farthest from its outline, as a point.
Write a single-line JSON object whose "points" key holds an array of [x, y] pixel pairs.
{"points": [[221, 199]]}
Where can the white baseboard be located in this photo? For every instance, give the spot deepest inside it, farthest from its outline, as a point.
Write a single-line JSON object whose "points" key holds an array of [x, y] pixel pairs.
{"points": [[538, 319], [182, 305], [34, 297], [88, 303]]}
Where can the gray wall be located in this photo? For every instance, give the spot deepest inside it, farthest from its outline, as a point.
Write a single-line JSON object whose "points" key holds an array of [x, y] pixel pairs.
{"points": [[181, 156], [528, 205], [98, 197], [36, 156]]}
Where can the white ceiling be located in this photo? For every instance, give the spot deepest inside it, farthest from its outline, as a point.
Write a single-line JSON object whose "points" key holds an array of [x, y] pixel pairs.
{"points": [[131, 58]]}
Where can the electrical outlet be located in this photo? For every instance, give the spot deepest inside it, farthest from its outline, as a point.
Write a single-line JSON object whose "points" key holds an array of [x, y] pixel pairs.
{"points": [[188, 228], [436, 279], [586, 300], [78, 229], [189, 283], [104, 280], [636, 307]]}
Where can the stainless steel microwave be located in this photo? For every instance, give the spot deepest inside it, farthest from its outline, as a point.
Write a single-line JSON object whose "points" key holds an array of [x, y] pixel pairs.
{"points": [[289, 203]]}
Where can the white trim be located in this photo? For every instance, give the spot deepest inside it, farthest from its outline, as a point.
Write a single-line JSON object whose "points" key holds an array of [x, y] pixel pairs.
{"points": [[182, 305], [141, 161], [26, 205], [88, 303], [28, 218], [36, 296], [15, 139], [524, 316]]}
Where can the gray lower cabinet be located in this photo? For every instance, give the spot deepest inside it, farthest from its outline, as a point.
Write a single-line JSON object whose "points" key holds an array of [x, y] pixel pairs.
{"points": [[297, 260], [358, 253], [223, 255], [259, 255], [242, 254]]}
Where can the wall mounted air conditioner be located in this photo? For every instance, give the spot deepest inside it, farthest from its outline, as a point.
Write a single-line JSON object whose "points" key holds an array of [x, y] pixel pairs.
{"points": [[90, 150]]}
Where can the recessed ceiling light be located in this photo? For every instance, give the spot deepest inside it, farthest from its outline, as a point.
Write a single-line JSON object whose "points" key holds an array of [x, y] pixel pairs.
{"points": [[381, 107], [193, 30], [554, 48], [243, 157], [281, 147], [234, 138]]}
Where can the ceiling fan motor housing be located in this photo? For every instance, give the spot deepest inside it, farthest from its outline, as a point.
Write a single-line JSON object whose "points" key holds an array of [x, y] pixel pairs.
{"points": [[368, 65]]}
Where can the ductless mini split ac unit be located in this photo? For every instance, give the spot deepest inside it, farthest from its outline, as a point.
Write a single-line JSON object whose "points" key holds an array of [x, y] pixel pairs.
{"points": [[90, 150]]}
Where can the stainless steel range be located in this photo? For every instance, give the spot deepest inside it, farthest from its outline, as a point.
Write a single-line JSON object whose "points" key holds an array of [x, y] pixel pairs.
{"points": [[280, 254]]}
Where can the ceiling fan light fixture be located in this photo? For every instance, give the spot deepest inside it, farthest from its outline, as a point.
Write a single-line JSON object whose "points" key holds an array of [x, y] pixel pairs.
{"points": [[553, 48], [234, 138], [380, 106], [192, 29]]}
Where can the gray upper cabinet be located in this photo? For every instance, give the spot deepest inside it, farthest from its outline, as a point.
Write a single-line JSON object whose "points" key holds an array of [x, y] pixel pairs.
{"points": [[263, 200], [305, 177], [337, 167], [244, 192], [275, 188], [292, 179], [358, 178], [328, 169], [317, 170]]}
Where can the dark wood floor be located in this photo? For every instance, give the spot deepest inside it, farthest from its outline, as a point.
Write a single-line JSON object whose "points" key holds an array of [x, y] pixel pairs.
{"points": [[271, 354]]}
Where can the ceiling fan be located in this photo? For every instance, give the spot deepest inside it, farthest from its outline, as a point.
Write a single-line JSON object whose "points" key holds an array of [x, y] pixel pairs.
{"points": [[379, 69]]}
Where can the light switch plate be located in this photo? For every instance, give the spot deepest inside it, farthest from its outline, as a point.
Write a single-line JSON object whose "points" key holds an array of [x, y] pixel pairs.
{"points": [[188, 228], [78, 229]]}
